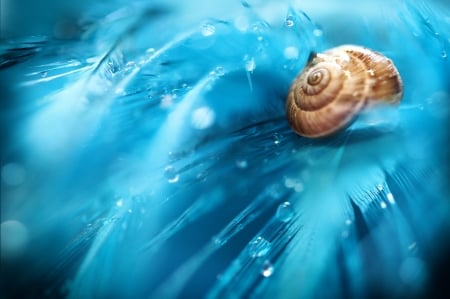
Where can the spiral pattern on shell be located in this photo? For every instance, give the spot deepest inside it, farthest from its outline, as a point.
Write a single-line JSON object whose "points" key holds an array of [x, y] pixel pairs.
{"points": [[336, 85]]}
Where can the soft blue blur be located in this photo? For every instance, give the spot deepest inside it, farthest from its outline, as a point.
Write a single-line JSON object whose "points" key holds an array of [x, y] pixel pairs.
{"points": [[146, 153]]}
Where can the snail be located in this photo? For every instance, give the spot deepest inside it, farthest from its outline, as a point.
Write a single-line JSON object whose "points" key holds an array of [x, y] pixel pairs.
{"points": [[336, 86]]}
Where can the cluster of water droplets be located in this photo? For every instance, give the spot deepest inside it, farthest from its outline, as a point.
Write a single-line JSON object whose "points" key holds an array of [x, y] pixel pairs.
{"points": [[180, 146]]}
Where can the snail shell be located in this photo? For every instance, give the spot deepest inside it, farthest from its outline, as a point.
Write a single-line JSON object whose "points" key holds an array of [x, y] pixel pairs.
{"points": [[336, 85]]}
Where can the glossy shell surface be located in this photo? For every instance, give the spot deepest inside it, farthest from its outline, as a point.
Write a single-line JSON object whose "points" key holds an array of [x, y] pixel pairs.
{"points": [[336, 85]]}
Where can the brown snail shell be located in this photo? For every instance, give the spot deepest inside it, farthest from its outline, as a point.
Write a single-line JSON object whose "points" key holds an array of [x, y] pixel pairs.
{"points": [[338, 84]]}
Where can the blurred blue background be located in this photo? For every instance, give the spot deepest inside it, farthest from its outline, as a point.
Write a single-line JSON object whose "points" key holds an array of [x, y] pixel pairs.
{"points": [[145, 153]]}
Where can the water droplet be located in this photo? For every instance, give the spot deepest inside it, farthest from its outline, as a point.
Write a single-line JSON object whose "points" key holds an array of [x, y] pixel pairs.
{"points": [[241, 23], [119, 203], [290, 21], [150, 50], [412, 246], [171, 174], [14, 238], [290, 52], [219, 71], [345, 234], [267, 269], [241, 163], [208, 29], [202, 176], [380, 187], [295, 184], [218, 241], [298, 187], [275, 191], [130, 65], [44, 74], [317, 32], [250, 64], [202, 118], [167, 100], [13, 174], [276, 138], [390, 198], [120, 91], [256, 28], [348, 221], [289, 183], [383, 205], [245, 4], [444, 54], [285, 212], [259, 247]]}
